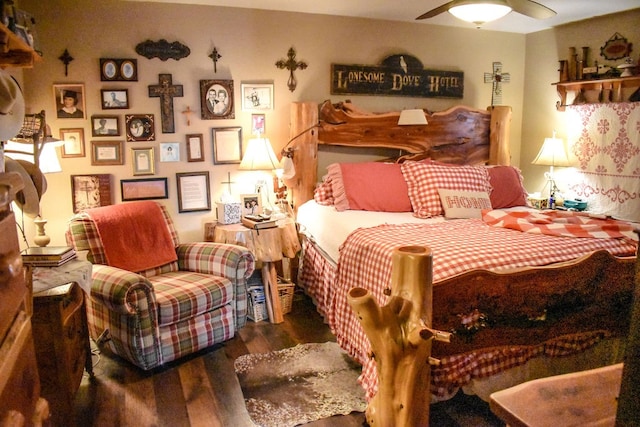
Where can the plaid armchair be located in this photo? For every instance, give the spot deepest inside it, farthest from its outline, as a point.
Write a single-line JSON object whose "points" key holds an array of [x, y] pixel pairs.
{"points": [[164, 313]]}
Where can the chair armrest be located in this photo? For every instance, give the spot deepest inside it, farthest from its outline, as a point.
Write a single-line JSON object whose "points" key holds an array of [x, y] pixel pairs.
{"points": [[120, 290], [220, 259]]}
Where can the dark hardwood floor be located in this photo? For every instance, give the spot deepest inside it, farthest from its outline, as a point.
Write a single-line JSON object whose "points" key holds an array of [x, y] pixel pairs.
{"points": [[203, 390]]}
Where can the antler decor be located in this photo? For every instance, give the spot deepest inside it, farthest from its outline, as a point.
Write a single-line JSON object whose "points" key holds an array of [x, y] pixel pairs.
{"points": [[400, 336]]}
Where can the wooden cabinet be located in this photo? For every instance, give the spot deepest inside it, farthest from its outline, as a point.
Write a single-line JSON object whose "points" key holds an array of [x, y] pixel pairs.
{"points": [[62, 347], [14, 52], [20, 402], [601, 90]]}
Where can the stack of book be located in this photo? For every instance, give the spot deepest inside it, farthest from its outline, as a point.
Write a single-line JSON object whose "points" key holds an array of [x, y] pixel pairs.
{"points": [[48, 256], [258, 223]]}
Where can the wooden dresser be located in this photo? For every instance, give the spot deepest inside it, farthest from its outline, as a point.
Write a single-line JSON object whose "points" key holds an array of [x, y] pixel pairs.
{"points": [[20, 402]]}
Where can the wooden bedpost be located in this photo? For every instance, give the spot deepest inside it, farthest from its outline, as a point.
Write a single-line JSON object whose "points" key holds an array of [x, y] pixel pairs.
{"points": [[500, 152], [304, 116], [400, 334]]}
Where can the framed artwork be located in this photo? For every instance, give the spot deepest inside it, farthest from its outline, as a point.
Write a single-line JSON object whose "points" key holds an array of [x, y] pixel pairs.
{"points": [[144, 189], [195, 148], [90, 191], [170, 152], [257, 96], [251, 204], [114, 99], [216, 99], [257, 124], [140, 127], [118, 69], [105, 126], [73, 142], [70, 100], [104, 153], [193, 191], [143, 162], [227, 145]]}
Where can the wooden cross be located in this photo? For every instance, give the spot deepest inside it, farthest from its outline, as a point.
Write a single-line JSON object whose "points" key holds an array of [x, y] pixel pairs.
{"points": [[215, 56], [66, 58], [187, 113], [291, 64], [166, 91], [497, 78], [228, 181]]}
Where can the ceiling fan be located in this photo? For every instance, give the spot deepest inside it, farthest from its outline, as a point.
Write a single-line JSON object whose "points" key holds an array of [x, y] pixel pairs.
{"points": [[481, 11]]}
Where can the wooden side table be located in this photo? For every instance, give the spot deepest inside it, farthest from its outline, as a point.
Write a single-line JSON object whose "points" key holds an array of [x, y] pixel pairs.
{"points": [[268, 246]]}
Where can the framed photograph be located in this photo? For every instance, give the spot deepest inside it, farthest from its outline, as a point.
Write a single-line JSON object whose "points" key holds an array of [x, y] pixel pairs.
{"points": [[105, 153], [251, 204], [140, 127], [257, 96], [170, 152], [193, 191], [105, 126], [73, 142], [114, 99], [118, 69], [90, 191], [257, 124], [227, 145], [195, 148], [216, 99], [70, 101], [144, 189], [143, 162]]}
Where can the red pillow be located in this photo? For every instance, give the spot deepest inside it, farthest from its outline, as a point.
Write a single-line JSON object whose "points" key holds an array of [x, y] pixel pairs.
{"points": [[369, 186], [425, 178], [508, 190]]}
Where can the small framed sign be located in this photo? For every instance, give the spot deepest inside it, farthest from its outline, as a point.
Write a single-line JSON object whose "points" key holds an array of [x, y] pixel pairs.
{"points": [[195, 148], [193, 191], [143, 162], [105, 153]]}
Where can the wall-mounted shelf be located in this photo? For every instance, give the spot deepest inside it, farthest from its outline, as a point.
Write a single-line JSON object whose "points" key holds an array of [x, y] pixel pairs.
{"points": [[609, 90], [15, 52]]}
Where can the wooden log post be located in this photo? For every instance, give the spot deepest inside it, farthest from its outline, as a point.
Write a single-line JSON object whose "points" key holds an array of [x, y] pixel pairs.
{"points": [[400, 334]]}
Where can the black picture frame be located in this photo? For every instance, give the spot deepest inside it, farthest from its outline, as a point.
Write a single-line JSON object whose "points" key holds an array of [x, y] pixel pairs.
{"points": [[140, 127], [194, 192], [118, 69], [114, 99], [103, 125], [144, 189], [211, 107]]}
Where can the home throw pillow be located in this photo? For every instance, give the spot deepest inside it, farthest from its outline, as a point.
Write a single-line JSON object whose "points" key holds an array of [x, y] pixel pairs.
{"points": [[463, 204]]}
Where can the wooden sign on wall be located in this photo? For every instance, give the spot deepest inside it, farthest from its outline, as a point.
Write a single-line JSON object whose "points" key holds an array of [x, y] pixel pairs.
{"points": [[397, 75]]}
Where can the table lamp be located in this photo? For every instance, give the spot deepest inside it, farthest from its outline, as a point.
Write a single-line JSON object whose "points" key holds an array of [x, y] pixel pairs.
{"points": [[551, 154]]}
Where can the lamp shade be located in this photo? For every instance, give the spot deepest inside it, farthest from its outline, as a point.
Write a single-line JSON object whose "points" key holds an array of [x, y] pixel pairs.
{"points": [[412, 117], [552, 153], [479, 11], [259, 156]]}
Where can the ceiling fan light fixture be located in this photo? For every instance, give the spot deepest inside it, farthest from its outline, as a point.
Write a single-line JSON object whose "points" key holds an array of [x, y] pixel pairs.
{"points": [[480, 11]]}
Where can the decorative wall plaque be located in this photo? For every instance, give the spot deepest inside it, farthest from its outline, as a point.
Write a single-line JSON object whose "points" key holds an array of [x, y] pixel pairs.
{"points": [[162, 49], [616, 47], [397, 75]]}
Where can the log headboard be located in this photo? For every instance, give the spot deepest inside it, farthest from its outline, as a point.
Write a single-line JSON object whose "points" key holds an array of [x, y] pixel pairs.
{"points": [[461, 135]]}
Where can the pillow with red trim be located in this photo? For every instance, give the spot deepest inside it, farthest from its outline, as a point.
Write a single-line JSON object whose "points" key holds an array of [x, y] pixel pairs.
{"points": [[425, 178], [369, 186], [323, 194], [508, 189], [463, 204]]}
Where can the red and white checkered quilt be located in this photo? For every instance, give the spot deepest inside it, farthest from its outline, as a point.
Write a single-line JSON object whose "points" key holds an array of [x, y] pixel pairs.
{"points": [[458, 246]]}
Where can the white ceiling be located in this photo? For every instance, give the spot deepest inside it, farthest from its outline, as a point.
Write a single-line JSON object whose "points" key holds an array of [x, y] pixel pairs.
{"points": [[408, 10]]}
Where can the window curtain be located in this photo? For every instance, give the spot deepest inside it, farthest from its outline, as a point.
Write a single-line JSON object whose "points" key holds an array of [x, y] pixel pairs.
{"points": [[604, 142]]}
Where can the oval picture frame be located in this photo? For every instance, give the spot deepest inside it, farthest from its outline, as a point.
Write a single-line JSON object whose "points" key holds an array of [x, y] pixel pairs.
{"points": [[128, 70], [617, 47], [109, 70]]}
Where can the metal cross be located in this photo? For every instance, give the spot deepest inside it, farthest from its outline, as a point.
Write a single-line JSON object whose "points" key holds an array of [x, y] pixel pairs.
{"points": [[228, 181], [66, 59], [497, 78], [166, 92], [291, 64], [215, 56]]}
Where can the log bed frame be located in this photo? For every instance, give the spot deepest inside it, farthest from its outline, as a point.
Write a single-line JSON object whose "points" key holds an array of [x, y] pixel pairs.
{"points": [[526, 306]]}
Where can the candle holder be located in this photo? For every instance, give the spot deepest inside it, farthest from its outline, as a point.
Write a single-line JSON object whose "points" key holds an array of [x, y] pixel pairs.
{"points": [[41, 238]]}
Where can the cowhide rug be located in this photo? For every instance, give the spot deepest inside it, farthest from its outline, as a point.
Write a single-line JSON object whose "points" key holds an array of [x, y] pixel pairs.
{"points": [[299, 384]]}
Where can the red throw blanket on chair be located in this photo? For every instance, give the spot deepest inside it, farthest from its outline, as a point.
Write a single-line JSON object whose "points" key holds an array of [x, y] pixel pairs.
{"points": [[134, 235]]}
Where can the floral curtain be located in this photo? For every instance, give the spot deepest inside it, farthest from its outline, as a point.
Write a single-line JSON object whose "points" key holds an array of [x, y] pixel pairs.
{"points": [[604, 142]]}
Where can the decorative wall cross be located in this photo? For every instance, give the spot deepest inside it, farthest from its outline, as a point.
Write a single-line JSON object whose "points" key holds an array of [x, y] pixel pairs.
{"points": [[497, 78], [187, 113], [166, 91], [228, 181], [291, 64], [215, 56], [66, 58]]}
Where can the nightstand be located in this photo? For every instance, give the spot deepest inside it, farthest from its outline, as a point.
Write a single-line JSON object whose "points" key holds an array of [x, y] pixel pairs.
{"points": [[63, 350], [268, 246]]}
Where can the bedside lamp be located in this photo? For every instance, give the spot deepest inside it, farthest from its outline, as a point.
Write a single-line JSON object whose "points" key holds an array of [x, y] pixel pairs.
{"points": [[551, 154], [259, 156]]}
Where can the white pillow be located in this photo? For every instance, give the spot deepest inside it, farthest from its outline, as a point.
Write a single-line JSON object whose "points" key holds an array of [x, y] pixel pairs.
{"points": [[463, 204]]}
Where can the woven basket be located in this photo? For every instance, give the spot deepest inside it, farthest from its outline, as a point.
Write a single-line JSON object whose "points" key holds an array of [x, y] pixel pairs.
{"points": [[285, 290]]}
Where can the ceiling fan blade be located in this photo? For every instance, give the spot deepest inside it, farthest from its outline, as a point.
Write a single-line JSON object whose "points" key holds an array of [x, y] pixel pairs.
{"points": [[437, 11], [531, 8]]}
